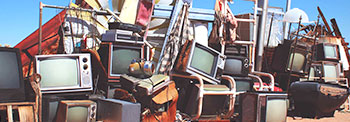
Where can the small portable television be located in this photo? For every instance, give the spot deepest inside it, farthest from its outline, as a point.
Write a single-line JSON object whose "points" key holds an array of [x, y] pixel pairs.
{"points": [[327, 52], [116, 57], [61, 73], [325, 71], [12, 87], [263, 107], [203, 61], [76, 111], [289, 57], [236, 66]]}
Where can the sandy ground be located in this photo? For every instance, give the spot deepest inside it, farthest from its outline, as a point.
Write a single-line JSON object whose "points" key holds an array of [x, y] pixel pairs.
{"points": [[338, 117]]}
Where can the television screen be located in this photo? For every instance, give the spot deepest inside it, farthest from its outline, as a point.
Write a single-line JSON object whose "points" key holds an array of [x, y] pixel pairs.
{"points": [[64, 72], [122, 57], [236, 66], [330, 51], [11, 75], [298, 62], [233, 66], [276, 110], [59, 72], [77, 114], [203, 61], [330, 71]]}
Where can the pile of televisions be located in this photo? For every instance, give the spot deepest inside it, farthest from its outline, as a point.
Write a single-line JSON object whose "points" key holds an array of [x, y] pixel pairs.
{"points": [[68, 80]]}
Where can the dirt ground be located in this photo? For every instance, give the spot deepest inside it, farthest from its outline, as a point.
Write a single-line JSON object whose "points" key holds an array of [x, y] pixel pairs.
{"points": [[339, 116]]}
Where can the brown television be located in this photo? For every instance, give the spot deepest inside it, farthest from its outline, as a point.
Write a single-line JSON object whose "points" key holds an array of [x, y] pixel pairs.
{"points": [[76, 111]]}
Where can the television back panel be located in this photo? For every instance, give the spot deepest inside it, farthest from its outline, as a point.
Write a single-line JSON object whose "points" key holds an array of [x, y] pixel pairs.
{"points": [[283, 55], [237, 50], [255, 107], [113, 110]]}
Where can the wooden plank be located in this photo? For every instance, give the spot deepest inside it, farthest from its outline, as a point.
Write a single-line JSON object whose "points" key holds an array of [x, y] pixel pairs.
{"points": [[329, 31], [9, 113], [26, 114], [17, 103]]}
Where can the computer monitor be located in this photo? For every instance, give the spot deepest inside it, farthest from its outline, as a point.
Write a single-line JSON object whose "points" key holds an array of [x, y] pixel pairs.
{"points": [[76, 111], [12, 87], [116, 57], [287, 53], [203, 61], [326, 70], [62, 73], [236, 66], [263, 107], [327, 52]]}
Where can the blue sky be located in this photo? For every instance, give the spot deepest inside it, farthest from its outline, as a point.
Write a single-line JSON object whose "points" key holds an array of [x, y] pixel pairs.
{"points": [[20, 18]]}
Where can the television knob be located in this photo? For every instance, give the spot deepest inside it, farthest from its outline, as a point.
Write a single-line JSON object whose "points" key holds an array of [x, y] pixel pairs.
{"points": [[85, 67], [85, 60]]}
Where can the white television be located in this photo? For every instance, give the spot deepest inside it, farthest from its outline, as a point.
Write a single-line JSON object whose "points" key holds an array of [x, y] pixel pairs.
{"points": [[62, 73]]}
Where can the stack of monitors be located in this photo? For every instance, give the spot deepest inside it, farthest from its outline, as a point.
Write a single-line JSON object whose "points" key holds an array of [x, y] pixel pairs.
{"points": [[237, 66]]}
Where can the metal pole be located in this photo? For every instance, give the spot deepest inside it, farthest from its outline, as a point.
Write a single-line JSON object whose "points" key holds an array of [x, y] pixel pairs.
{"points": [[287, 24], [294, 48], [312, 49], [261, 36], [40, 26]]}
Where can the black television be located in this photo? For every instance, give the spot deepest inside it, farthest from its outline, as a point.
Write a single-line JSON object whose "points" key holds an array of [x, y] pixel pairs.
{"points": [[263, 107], [236, 66], [326, 71], [283, 55], [116, 57], [12, 86], [76, 111], [327, 52], [202, 60]]}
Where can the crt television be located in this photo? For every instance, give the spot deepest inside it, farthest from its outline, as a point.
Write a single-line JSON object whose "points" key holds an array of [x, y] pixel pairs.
{"points": [[116, 57], [114, 110], [327, 52], [11, 75], [326, 70], [284, 54], [76, 111], [236, 66], [64, 73], [201, 60], [263, 107]]}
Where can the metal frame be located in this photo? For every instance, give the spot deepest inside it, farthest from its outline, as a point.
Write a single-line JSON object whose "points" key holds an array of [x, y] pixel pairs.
{"points": [[202, 92]]}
